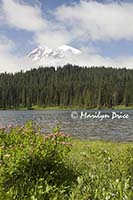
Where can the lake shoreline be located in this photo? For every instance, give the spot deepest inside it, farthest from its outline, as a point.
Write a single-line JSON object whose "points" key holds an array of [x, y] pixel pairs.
{"points": [[79, 124], [48, 108]]}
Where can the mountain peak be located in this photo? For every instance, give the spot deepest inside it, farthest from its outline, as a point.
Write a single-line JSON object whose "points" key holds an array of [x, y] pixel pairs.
{"points": [[44, 52], [69, 48]]}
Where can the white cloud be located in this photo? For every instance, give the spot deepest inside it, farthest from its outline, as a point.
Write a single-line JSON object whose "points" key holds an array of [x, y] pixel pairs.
{"points": [[8, 61], [87, 20], [97, 60], [53, 38], [79, 22], [19, 15], [89, 57], [5, 44], [100, 21], [23, 16]]}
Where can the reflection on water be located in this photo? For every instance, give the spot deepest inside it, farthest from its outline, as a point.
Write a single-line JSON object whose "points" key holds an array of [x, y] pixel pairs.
{"points": [[108, 129]]}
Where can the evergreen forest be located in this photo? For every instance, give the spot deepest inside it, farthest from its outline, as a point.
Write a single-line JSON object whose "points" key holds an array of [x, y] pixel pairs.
{"points": [[68, 86]]}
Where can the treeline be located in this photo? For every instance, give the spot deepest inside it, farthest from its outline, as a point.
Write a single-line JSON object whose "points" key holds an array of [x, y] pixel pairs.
{"points": [[67, 86]]}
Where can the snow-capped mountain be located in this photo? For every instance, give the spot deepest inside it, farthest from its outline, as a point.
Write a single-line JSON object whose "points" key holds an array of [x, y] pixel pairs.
{"points": [[44, 52], [68, 49]]}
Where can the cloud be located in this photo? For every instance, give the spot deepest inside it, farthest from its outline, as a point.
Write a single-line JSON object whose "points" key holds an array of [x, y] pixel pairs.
{"points": [[23, 16], [75, 23], [8, 61], [53, 38], [95, 59], [5, 44], [89, 57], [17, 14], [98, 21]]}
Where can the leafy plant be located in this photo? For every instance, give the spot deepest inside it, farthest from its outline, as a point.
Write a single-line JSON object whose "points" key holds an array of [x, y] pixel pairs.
{"points": [[33, 164]]}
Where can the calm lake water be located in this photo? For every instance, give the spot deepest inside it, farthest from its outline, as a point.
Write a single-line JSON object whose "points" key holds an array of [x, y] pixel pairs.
{"points": [[71, 123]]}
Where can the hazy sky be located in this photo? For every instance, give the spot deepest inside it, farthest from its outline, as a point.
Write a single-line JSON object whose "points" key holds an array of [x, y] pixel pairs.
{"points": [[103, 30]]}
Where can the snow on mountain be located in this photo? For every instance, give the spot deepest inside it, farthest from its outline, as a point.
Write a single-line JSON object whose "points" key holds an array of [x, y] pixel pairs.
{"points": [[44, 53], [40, 52], [69, 49]]}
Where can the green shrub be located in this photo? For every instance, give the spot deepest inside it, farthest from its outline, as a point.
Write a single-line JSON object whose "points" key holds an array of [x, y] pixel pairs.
{"points": [[33, 165]]}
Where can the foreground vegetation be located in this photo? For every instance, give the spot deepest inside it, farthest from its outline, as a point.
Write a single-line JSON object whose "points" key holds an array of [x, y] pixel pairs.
{"points": [[34, 166]]}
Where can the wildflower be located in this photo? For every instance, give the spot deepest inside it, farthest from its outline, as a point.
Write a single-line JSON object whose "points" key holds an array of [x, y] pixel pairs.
{"points": [[46, 137], [10, 126], [2, 128], [117, 180], [37, 133], [66, 143], [63, 143], [7, 155]]}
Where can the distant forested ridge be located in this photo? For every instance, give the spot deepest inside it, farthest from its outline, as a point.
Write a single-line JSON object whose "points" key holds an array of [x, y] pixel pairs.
{"points": [[67, 86]]}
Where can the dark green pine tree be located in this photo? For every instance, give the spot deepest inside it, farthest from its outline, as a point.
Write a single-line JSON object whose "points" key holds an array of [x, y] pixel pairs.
{"points": [[71, 85]]}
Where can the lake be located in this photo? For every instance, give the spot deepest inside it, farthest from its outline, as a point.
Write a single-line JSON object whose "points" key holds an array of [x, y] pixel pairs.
{"points": [[89, 126]]}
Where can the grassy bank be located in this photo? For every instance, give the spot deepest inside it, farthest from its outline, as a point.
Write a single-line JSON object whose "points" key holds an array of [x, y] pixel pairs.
{"points": [[120, 107], [36, 107], [55, 167]]}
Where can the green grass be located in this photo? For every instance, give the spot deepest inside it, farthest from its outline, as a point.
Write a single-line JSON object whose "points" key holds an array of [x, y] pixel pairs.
{"points": [[105, 168], [120, 107], [55, 167], [36, 107]]}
